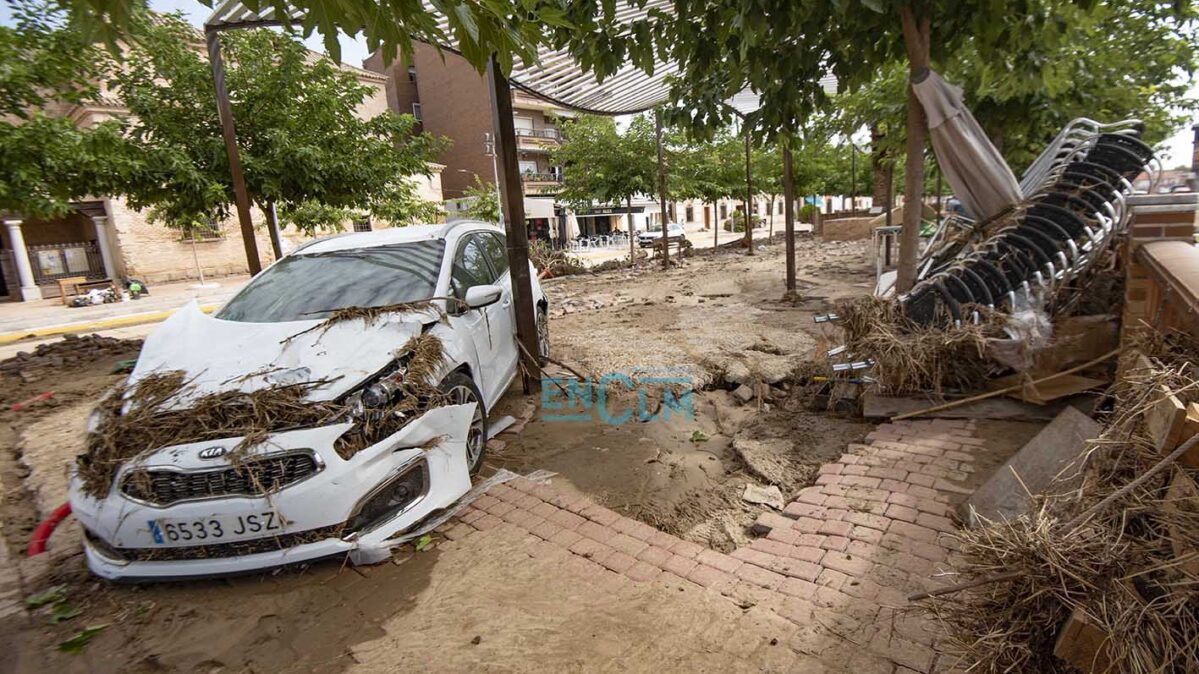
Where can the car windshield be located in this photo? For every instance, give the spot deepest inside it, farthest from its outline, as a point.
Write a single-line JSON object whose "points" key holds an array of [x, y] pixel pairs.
{"points": [[311, 286]]}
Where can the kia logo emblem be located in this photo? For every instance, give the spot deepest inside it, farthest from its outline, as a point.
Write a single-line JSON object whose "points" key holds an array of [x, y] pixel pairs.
{"points": [[213, 452]]}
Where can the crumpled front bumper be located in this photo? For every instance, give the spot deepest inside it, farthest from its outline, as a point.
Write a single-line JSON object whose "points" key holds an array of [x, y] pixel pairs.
{"points": [[124, 535]]}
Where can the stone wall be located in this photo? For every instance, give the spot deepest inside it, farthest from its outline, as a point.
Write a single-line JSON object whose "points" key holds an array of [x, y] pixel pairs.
{"points": [[157, 253]]}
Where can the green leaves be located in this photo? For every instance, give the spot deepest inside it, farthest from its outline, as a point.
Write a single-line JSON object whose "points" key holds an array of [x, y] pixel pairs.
{"points": [[77, 642], [52, 595], [302, 143], [483, 203]]}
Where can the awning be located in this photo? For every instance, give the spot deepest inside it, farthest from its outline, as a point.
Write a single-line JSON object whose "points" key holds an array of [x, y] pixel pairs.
{"points": [[539, 208], [554, 76], [975, 170]]}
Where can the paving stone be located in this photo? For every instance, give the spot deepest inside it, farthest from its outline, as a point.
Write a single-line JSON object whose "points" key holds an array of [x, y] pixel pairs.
{"points": [[708, 576], [642, 571], [686, 549], [679, 565], [718, 560], [655, 555]]}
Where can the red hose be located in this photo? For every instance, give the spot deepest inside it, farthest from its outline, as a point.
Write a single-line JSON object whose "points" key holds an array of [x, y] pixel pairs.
{"points": [[37, 544]]}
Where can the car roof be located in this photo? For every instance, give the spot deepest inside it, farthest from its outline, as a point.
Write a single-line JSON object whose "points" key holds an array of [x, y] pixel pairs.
{"points": [[392, 236]]}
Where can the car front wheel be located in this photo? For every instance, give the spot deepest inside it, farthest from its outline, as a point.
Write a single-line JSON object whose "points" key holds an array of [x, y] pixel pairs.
{"points": [[461, 390]]}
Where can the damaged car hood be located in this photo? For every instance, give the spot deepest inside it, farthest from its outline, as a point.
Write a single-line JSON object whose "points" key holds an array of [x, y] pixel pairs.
{"points": [[218, 355]]}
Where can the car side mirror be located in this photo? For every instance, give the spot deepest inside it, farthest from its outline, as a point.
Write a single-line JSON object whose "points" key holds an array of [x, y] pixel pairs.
{"points": [[481, 296]]}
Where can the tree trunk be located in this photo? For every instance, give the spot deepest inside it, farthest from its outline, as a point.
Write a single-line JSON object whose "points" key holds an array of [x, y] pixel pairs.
{"points": [[789, 218], [749, 197], [770, 237], [878, 167], [628, 202], [662, 192], [272, 226], [715, 227], [915, 39]]}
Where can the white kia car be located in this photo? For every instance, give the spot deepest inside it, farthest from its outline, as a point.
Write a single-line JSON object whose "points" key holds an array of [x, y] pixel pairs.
{"points": [[189, 510]]}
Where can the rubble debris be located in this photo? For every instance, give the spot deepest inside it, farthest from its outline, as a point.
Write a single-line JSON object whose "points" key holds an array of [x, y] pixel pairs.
{"points": [[70, 350], [768, 496], [743, 393], [876, 406], [913, 358], [1106, 549], [1053, 456], [161, 410]]}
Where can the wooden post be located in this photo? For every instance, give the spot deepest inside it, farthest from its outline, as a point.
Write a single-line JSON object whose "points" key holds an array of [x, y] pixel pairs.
{"points": [[513, 206], [749, 194], [662, 190], [789, 218], [225, 113]]}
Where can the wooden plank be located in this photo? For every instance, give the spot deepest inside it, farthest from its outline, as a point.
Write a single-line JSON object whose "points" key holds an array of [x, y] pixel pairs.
{"points": [[1083, 644], [876, 406], [1183, 494], [1165, 421], [1190, 426], [1045, 392]]}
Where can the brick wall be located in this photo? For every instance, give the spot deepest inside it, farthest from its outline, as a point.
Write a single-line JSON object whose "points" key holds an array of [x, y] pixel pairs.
{"points": [[1156, 291]]}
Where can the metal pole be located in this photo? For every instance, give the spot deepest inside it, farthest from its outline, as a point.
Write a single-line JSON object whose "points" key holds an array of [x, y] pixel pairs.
{"points": [[225, 112], [662, 190], [789, 217], [749, 195], [513, 208], [272, 224], [489, 148], [196, 258]]}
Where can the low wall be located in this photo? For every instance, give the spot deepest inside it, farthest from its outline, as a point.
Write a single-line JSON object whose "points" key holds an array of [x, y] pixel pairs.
{"points": [[847, 229]]}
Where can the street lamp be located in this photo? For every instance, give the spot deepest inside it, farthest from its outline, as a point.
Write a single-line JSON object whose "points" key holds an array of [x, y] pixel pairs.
{"points": [[489, 150]]}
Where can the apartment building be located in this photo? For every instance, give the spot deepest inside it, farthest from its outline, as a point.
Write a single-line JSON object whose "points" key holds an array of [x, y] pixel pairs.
{"points": [[450, 98]]}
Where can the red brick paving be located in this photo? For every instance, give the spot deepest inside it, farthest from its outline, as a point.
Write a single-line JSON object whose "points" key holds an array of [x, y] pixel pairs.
{"points": [[843, 552]]}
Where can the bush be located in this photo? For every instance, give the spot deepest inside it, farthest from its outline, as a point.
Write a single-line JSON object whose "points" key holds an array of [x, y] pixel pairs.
{"points": [[807, 212], [735, 223]]}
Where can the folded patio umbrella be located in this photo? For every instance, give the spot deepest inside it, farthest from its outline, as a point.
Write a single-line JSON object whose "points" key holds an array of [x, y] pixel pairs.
{"points": [[975, 170]]}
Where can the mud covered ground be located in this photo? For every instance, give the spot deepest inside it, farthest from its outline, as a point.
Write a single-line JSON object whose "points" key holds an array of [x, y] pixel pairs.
{"points": [[719, 320]]}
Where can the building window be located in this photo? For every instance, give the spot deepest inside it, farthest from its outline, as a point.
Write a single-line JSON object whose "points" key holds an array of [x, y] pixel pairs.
{"points": [[690, 213], [411, 74], [363, 225], [724, 211], [416, 112], [778, 209]]}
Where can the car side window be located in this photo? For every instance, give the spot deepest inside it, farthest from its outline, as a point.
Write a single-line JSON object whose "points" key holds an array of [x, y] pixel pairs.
{"points": [[470, 267], [495, 246]]}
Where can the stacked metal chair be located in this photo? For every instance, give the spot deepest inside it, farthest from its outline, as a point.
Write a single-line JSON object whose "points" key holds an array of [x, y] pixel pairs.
{"points": [[1073, 209]]}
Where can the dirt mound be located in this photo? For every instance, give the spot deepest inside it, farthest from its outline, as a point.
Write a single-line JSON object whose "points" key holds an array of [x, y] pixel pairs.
{"points": [[69, 351]]}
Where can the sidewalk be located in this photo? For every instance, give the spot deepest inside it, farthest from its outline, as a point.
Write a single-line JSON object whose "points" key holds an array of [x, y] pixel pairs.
{"points": [[700, 239], [50, 317]]}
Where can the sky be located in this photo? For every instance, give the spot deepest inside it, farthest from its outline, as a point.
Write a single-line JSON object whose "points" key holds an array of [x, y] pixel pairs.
{"points": [[1177, 149]]}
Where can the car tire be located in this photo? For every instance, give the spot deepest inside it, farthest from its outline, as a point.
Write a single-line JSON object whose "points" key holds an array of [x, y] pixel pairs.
{"points": [[460, 390], [543, 336]]}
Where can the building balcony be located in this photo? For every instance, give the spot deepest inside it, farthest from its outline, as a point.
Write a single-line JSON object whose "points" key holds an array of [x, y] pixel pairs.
{"points": [[541, 183], [542, 140]]}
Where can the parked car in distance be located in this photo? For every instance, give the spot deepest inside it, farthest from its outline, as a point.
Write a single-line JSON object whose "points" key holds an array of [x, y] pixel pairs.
{"points": [[293, 494], [674, 234]]}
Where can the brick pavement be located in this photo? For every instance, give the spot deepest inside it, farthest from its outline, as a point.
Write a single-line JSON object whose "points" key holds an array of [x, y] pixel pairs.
{"points": [[837, 561]]}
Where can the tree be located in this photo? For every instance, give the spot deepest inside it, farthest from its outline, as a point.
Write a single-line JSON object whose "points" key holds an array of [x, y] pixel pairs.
{"points": [[602, 165], [47, 161], [708, 170], [767, 165], [484, 203], [481, 30], [303, 147]]}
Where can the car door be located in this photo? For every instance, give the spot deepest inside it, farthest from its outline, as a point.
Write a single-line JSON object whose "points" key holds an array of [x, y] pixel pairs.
{"points": [[503, 327], [487, 326]]}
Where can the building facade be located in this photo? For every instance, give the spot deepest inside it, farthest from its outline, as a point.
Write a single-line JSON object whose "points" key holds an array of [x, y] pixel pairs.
{"points": [[104, 238]]}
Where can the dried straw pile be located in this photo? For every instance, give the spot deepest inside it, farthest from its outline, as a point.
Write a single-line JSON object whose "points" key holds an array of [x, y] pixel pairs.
{"points": [[150, 419], [1117, 561], [913, 358]]}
